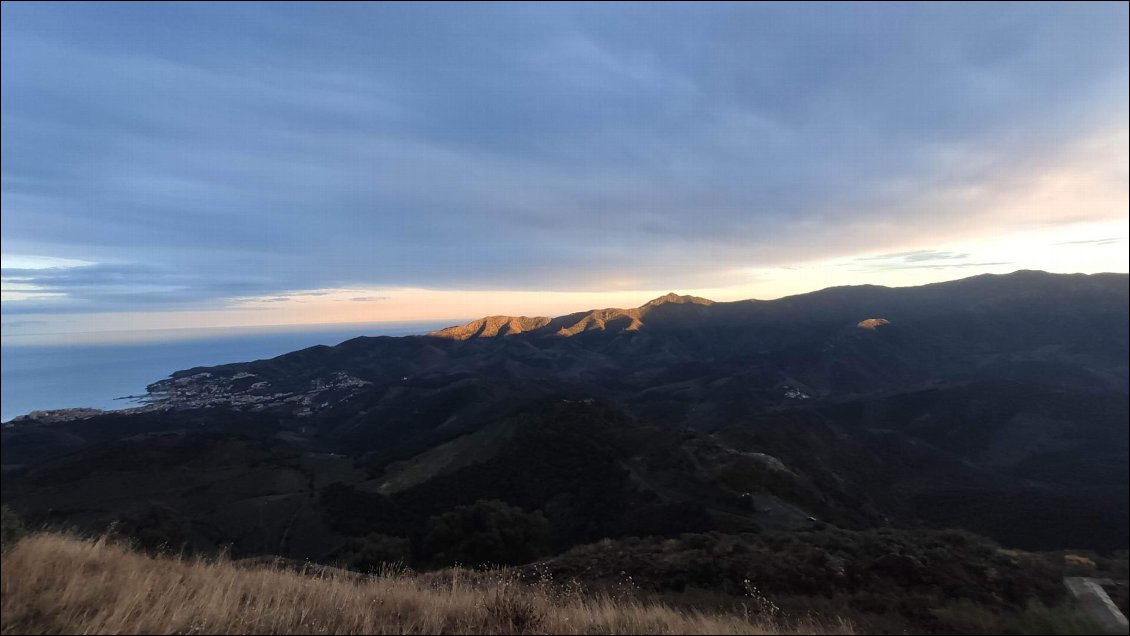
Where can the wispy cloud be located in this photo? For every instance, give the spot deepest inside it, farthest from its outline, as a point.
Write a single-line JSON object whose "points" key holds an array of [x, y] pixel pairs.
{"points": [[19, 324], [915, 256], [917, 259], [1102, 241]]}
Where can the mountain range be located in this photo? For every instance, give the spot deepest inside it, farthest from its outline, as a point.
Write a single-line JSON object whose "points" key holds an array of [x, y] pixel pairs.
{"points": [[996, 404]]}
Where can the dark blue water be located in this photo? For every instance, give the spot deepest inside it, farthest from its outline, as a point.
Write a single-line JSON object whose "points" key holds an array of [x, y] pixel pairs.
{"points": [[52, 376]]}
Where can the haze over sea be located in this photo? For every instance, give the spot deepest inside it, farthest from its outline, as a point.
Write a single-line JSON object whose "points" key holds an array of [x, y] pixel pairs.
{"points": [[100, 370]]}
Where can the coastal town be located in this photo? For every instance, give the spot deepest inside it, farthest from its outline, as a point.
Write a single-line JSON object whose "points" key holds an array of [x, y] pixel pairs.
{"points": [[241, 391]]}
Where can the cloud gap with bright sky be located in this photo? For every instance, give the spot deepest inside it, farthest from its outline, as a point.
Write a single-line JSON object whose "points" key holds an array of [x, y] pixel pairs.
{"points": [[201, 165]]}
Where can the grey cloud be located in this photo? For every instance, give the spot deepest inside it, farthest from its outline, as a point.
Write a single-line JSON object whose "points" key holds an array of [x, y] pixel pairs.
{"points": [[19, 324], [263, 149], [120, 287]]}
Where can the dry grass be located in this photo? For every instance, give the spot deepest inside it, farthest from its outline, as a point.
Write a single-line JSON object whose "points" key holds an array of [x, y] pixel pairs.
{"points": [[54, 583]]}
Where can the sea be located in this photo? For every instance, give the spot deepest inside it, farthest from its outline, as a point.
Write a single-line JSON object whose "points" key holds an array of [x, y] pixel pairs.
{"points": [[110, 371]]}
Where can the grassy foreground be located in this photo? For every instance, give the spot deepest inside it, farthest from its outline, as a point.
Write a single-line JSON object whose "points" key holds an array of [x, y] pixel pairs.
{"points": [[54, 583]]}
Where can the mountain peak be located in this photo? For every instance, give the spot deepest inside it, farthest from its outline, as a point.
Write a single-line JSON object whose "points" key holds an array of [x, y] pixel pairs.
{"points": [[492, 326], [570, 325], [673, 298]]}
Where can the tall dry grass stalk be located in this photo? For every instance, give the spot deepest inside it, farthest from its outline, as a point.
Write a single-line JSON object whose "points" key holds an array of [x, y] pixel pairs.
{"points": [[53, 583]]}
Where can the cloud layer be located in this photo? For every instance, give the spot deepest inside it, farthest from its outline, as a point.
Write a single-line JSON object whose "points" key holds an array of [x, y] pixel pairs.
{"points": [[200, 154]]}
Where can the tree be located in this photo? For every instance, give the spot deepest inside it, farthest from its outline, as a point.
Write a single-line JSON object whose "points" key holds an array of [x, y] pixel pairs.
{"points": [[486, 532]]}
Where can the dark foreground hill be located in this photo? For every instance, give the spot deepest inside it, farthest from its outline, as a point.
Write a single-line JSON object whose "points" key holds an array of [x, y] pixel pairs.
{"points": [[135, 594], [996, 404]]}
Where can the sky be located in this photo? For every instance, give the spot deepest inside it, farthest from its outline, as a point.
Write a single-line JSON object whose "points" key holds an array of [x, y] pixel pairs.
{"points": [[212, 165]]}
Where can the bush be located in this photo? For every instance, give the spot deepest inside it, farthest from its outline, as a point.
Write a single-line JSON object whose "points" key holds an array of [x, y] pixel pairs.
{"points": [[374, 552], [11, 528], [486, 532], [158, 529]]}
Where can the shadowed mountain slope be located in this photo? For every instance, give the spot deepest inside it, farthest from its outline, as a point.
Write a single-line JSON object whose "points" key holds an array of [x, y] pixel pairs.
{"points": [[994, 403]]}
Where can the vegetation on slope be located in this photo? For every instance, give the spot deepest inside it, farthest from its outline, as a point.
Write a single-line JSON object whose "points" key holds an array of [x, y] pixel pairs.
{"points": [[716, 448], [881, 581], [54, 583]]}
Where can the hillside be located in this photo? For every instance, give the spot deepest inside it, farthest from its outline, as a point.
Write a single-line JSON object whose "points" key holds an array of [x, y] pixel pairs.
{"points": [[996, 405], [57, 584], [839, 583], [971, 394]]}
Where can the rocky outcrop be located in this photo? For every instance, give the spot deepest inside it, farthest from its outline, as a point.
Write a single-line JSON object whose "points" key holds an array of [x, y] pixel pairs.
{"points": [[873, 323], [492, 326]]}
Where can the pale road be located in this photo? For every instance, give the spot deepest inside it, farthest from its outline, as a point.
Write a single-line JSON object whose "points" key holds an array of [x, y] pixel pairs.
{"points": [[1094, 601]]}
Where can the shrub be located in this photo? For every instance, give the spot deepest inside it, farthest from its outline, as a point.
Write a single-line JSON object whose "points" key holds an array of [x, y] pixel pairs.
{"points": [[157, 529], [374, 552], [486, 532], [11, 528]]}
